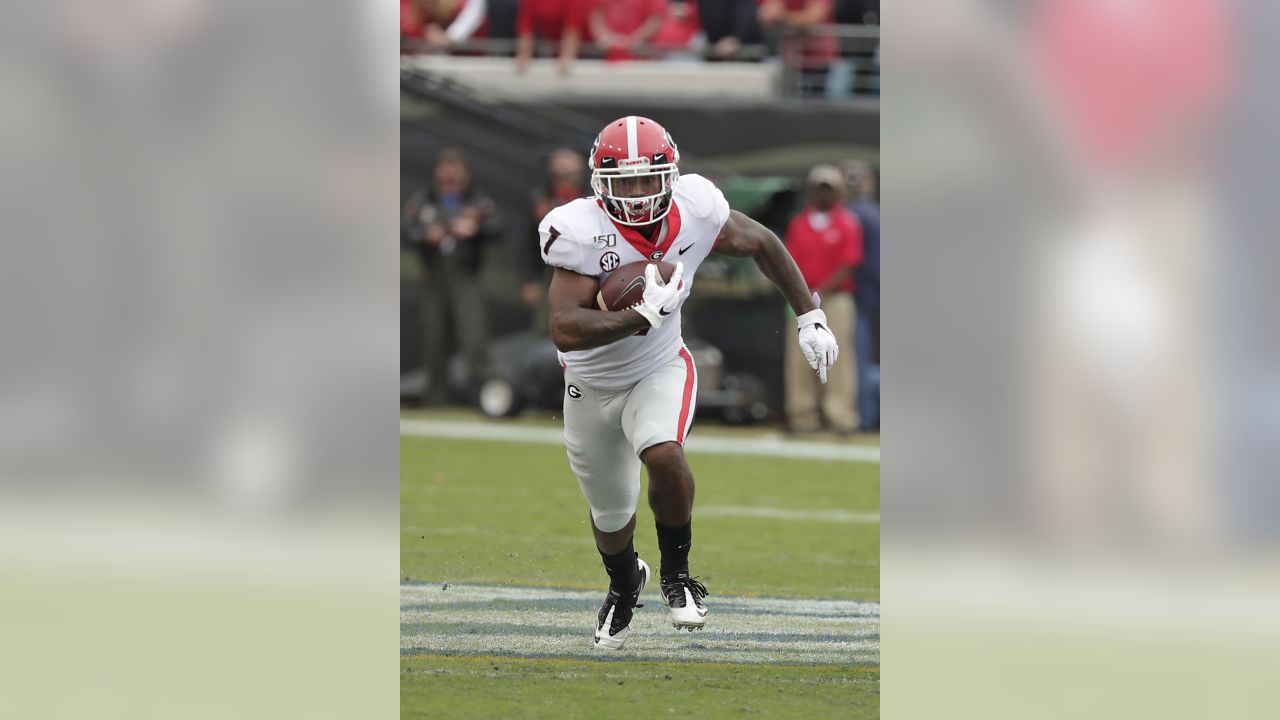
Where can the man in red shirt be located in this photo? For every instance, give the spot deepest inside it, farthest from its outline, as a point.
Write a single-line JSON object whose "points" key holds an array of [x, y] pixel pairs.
{"points": [[826, 241], [561, 21], [679, 26], [620, 26], [441, 23]]}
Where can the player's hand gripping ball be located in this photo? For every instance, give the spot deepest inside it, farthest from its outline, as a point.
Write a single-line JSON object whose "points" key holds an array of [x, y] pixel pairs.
{"points": [[654, 289]]}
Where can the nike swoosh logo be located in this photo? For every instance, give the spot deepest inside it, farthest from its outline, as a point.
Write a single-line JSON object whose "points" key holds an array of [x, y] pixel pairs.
{"points": [[664, 312], [686, 247], [638, 280]]}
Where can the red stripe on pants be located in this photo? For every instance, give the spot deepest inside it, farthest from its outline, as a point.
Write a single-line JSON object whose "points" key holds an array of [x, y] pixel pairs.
{"points": [[687, 401]]}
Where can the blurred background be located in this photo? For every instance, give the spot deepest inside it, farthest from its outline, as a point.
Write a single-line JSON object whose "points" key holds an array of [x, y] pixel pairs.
{"points": [[756, 94], [1079, 503], [198, 456]]}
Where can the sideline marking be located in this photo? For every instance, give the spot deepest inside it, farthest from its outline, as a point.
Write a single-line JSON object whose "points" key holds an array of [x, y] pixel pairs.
{"points": [[760, 446], [549, 623], [840, 516]]}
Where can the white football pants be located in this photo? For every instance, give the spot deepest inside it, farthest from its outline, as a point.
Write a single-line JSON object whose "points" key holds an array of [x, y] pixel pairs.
{"points": [[606, 430]]}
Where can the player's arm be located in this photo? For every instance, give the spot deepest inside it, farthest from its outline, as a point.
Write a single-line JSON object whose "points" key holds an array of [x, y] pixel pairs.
{"points": [[647, 30], [576, 324], [743, 237], [599, 30]]}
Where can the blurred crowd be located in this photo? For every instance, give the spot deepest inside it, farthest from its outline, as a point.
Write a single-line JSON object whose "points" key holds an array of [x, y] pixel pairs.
{"points": [[834, 238], [805, 33]]}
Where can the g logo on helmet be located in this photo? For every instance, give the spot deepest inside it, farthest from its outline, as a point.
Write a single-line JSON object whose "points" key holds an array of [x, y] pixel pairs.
{"points": [[609, 262]]}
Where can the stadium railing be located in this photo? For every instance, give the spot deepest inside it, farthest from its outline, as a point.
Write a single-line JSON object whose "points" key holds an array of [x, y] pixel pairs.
{"points": [[595, 79], [831, 62], [506, 47]]}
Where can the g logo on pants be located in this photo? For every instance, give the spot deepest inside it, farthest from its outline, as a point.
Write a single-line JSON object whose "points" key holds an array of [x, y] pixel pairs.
{"points": [[573, 391]]}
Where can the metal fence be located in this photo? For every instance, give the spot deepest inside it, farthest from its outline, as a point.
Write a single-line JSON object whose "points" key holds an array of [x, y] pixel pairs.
{"points": [[506, 47], [832, 61]]}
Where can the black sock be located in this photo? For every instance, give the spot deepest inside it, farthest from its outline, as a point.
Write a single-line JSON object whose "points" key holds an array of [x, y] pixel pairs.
{"points": [[624, 572], [674, 543]]}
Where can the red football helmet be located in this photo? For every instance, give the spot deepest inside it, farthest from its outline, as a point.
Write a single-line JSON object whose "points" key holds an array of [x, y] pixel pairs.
{"points": [[633, 170]]}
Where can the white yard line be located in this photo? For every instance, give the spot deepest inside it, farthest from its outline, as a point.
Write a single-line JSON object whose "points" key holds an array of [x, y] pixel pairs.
{"points": [[838, 516], [541, 622], [757, 446]]}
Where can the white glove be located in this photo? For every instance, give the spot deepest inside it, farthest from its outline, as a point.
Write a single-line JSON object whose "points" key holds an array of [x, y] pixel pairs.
{"points": [[661, 298], [817, 343]]}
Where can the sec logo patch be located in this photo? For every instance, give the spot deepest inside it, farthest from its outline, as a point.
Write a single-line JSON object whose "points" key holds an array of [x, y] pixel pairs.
{"points": [[573, 391], [609, 261]]}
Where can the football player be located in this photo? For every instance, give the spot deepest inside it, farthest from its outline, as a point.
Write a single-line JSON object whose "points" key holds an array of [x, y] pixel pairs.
{"points": [[630, 383]]}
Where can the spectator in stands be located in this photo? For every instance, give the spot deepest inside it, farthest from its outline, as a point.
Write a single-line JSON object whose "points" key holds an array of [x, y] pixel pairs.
{"points": [[680, 26], [810, 55], [411, 23], [502, 19], [826, 242], [559, 21], [795, 13], [441, 23], [866, 292], [858, 12], [729, 24], [621, 26], [451, 222], [566, 181]]}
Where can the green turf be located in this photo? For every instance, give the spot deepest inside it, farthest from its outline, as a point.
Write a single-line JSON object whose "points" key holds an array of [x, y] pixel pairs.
{"points": [[433, 686], [511, 513], [483, 512], [707, 427]]}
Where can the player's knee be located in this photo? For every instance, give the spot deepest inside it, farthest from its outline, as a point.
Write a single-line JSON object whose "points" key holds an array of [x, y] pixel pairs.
{"points": [[663, 458], [612, 521]]}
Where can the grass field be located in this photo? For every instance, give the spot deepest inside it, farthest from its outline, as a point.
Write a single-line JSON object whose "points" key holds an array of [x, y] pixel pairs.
{"points": [[500, 582]]}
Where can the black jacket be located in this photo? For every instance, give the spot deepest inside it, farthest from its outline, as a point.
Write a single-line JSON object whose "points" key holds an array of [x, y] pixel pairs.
{"points": [[424, 209]]}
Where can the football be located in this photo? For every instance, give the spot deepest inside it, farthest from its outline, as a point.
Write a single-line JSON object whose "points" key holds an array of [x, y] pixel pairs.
{"points": [[624, 287]]}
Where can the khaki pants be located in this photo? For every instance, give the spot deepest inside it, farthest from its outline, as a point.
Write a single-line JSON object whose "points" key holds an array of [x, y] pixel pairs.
{"points": [[805, 393], [452, 293]]}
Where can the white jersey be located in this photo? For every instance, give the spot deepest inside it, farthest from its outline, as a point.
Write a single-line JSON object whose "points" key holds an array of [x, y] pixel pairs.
{"points": [[580, 236]]}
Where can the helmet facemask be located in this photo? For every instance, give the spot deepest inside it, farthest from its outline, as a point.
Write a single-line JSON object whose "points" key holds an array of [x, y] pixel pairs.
{"points": [[609, 184]]}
